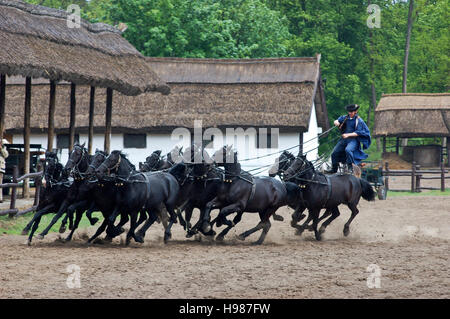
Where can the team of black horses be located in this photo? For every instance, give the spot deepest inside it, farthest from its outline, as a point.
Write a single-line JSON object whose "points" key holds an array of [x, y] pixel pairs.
{"points": [[168, 188]]}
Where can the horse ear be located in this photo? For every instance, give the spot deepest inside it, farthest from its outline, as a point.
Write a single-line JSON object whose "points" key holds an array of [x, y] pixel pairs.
{"points": [[83, 144]]}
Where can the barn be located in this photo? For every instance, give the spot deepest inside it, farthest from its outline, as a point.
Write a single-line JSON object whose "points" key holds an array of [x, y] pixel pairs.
{"points": [[258, 105], [415, 115]]}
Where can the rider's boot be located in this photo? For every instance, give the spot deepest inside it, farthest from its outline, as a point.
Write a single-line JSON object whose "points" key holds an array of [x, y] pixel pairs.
{"points": [[333, 170]]}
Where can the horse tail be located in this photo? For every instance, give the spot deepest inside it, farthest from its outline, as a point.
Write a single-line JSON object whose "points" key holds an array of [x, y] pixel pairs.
{"points": [[367, 191]]}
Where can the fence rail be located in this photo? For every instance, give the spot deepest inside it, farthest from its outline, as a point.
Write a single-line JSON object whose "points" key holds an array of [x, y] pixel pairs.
{"points": [[13, 211], [417, 175]]}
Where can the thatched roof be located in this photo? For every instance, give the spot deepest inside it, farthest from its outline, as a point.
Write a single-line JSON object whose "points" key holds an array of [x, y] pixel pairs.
{"points": [[286, 102], [36, 42], [413, 115]]}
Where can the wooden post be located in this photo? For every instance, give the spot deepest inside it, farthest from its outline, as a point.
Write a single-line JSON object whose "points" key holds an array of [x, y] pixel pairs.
{"points": [[448, 150], [12, 205], [91, 120], [2, 104], [107, 145], [384, 144], [386, 179], [73, 105], [413, 177], [51, 116], [397, 145], [300, 147], [442, 177], [26, 136], [418, 190]]}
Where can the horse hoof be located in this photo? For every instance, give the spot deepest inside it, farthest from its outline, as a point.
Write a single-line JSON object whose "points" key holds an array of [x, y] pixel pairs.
{"points": [[241, 237], [278, 218], [346, 231], [29, 242], [167, 236], [206, 227], [139, 239], [321, 230], [62, 230], [24, 232], [219, 238], [299, 232], [40, 236], [68, 239], [108, 238], [94, 221], [318, 237]]}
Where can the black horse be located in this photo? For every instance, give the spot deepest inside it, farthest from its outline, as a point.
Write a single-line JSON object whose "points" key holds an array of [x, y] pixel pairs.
{"points": [[155, 162], [136, 192], [321, 191], [241, 192], [281, 164], [53, 194], [77, 195]]}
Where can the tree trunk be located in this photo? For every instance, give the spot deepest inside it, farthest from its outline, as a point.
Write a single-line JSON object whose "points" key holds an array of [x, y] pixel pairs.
{"points": [[51, 116], [404, 141], [408, 39]]}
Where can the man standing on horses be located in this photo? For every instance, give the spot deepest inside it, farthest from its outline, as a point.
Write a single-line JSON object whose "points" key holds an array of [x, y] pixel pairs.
{"points": [[354, 132]]}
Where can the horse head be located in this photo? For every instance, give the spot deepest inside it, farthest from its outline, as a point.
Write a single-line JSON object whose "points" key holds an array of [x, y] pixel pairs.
{"points": [[75, 157], [299, 168], [116, 163], [97, 159]]}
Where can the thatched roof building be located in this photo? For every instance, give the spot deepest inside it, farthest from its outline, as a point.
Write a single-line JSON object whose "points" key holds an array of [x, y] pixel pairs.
{"points": [[413, 115], [221, 93], [37, 42]]}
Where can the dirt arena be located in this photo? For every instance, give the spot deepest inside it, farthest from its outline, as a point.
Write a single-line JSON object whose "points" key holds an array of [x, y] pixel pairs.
{"points": [[408, 238]]}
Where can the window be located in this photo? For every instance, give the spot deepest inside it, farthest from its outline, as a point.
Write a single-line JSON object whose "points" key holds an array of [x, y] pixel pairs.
{"points": [[265, 139], [62, 140], [134, 141]]}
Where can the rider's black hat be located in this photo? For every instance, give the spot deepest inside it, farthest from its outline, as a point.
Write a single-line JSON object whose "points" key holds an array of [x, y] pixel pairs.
{"points": [[352, 107]]}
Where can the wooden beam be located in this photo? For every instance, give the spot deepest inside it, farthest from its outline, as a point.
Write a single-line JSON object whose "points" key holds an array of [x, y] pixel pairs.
{"points": [[300, 147], [384, 145], [2, 104], [397, 145], [51, 116], [73, 105], [109, 95], [91, 120], [26, 136]]}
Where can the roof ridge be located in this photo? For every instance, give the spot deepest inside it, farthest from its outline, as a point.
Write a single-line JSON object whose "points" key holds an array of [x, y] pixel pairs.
{"points": [[231, 61], [415, 94]]}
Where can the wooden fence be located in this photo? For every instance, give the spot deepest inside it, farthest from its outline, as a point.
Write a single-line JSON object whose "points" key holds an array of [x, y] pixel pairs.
{"points": [[417, 175], [13, 211]]}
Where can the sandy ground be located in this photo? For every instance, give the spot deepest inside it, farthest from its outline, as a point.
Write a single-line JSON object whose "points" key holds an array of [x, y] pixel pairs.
{"points": [[407, 238]]}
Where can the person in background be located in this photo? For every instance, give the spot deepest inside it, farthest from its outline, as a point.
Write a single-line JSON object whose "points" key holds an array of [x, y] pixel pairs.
{"points": [[3, 156]]}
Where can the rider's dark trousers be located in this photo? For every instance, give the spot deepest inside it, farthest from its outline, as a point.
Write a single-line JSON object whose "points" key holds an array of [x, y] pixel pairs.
{"points": [[343, 151]]}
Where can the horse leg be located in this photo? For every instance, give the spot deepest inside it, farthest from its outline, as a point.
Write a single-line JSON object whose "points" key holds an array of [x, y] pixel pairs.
{"points": [[206, 226], [99, 230], [230, 225], [167, 231], [79, 214], [301, 228], [152, 217], [37, 215], [69, 214], [58, 215], [355, 212], [133, 224], [264, 224], [113, 231], [334, 214], [297, 216], [315, 217], [92, 220], [142, 217], [36, 219]]}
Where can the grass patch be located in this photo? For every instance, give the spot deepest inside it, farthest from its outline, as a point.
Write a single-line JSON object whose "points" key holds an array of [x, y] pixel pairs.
{"points": [[423, 193], [14, 226]]}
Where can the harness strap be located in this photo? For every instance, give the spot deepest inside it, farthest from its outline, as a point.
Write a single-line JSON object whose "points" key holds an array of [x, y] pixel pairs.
{"points": [[329, 190], [252, 193]]}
